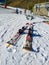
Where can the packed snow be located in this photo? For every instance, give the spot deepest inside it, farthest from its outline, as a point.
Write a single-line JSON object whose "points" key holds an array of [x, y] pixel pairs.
{"points": [[15, 55]]}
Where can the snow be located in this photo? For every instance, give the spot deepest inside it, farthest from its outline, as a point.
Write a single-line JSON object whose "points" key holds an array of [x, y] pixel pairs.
{"points": [[15, 55], [6, 11]]}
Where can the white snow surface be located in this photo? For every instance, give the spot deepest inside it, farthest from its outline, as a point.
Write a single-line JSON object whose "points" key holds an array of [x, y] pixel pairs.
{"points": [[15, 55]]}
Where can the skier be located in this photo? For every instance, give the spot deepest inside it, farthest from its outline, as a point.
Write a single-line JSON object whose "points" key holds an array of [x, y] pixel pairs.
{"points": [[17, 11]]}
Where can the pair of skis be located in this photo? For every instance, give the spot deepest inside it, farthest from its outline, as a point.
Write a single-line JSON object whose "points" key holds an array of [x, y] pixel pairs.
{"points": [[27, 45], [15, 39], [28, 42]]}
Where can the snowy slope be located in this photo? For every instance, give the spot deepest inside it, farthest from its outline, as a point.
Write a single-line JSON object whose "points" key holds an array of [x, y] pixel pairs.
{"points": [[5, 11], [15, 55]]}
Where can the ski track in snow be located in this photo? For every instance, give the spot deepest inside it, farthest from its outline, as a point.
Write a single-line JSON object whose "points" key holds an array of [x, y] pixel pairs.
{"points": [[15, 55]]}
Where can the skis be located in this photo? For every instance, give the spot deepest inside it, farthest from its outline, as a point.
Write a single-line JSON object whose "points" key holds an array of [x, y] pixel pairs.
{"points": [[27, 45], [14, 40], [28, 41]]}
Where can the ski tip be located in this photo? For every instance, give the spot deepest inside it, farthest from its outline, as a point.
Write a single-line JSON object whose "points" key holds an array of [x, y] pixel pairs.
{"points": [[27, 49], [8, 45]]}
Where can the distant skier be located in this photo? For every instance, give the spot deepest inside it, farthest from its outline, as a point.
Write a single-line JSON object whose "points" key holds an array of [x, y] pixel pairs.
{"points": [[17, 11], [25, 11], [20, 12]]}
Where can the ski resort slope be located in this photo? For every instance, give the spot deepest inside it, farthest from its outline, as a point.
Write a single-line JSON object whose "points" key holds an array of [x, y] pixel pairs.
{"points": [[16, 55]]}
